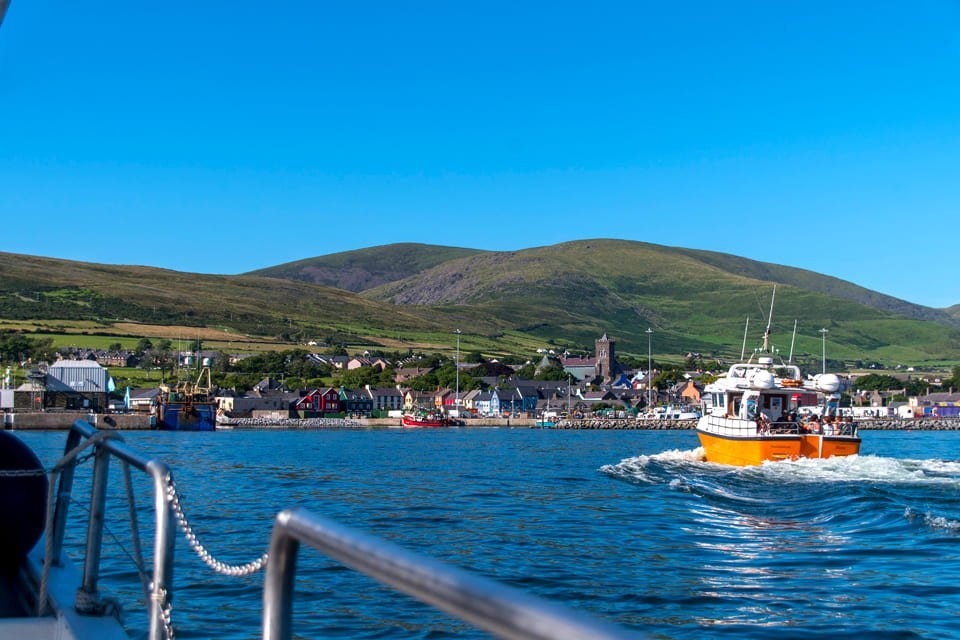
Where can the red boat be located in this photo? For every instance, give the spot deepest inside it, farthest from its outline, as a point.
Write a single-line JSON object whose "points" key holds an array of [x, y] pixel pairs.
{"points": [[430, 420]]}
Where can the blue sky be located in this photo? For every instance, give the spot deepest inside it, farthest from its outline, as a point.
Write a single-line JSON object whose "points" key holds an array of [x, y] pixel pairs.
{"points": [[226, 136]]}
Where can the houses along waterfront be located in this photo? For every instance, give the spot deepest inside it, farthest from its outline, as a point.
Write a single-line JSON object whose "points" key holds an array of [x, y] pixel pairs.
{"points": [[573, 390]]}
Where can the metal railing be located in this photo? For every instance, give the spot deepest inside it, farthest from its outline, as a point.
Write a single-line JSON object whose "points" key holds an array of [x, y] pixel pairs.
{"points": [[163, 544], [488, 605], [501, 610], [743, 428]]}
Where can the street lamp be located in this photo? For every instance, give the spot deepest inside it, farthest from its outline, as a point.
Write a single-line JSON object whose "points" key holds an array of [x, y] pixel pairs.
{"points": [[456, 401], [824, 332], [649, 333]]}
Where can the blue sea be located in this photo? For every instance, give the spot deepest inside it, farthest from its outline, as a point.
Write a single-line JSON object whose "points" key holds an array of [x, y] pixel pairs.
{"points": [[625, 525]]}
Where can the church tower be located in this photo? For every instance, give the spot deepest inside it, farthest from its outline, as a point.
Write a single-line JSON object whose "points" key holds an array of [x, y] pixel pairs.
{"points": [[605, 350]]}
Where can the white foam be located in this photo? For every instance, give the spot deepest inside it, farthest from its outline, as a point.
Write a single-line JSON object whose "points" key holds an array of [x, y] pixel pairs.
{"points": [[875, 469], [857, 468], [931, 521]]}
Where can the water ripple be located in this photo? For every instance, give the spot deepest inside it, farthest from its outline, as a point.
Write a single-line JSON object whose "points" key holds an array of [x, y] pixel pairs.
{"points": [[660, 541]]}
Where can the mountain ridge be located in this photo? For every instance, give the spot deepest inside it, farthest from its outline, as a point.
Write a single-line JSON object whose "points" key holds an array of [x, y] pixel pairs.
{"points": [[564, 294], [363, 269]]}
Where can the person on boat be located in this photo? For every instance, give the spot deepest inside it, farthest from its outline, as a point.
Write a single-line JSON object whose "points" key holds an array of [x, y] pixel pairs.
{"points": [[828, 429], [763, 423]]}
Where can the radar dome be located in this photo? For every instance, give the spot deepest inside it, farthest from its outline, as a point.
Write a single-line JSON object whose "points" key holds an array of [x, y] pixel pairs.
{"points": [[827, 383], [762, 380]]}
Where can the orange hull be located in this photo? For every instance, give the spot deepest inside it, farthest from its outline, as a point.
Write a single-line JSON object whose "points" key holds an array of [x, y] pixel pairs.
{"points": [[743, 452]]}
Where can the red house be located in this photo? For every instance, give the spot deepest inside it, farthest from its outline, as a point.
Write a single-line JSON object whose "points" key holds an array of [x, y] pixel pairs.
{"points": [[320, 401]]}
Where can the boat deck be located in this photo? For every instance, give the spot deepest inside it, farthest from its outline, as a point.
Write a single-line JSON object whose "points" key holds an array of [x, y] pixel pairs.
{"points": [[18, 601]]}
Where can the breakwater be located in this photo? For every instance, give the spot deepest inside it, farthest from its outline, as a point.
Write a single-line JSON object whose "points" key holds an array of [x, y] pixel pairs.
{"points": [[290, 423], [920, 424]]}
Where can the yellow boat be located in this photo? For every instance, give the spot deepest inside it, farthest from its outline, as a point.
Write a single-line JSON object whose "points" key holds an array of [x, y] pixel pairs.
{"points": [[749, 416]]}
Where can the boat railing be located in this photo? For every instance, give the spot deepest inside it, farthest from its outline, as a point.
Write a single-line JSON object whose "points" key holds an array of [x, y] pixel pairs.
{"points": [[739, 427], [164, 532], [501, 610], [491, 606]]}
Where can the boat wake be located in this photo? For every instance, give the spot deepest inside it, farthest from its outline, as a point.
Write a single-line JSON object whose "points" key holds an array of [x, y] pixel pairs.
{"points": [[681, 464]]}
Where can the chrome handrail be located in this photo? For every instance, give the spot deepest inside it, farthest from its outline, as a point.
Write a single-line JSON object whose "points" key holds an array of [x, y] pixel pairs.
{"points": [[164, 539], [489, 605]]}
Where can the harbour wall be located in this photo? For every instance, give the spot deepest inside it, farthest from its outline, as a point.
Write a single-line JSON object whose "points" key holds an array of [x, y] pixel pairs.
{"points": [[63, 420]]}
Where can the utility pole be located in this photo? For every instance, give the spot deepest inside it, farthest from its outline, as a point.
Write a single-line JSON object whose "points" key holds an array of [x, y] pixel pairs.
{"points": [[649, 333], [456, 401]]}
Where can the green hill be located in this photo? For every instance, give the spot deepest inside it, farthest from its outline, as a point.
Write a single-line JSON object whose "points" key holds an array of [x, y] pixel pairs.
{"points": [[694, 301], [564, 295], [366, 268], [46, 288]]}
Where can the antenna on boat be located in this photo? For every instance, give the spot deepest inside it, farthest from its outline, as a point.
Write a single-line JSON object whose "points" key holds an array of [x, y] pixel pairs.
{"points": [[766, 333], [743, 349], [792, 341]]}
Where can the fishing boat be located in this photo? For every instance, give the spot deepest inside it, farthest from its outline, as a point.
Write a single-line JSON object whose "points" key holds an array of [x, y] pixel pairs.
{"points": [[750, 414], [426, 420], [189, 405]]}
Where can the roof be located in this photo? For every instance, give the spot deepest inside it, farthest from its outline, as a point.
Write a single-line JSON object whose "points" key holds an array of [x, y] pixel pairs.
{"points": [[386, 391], [143, 393], [579, 362], [76, 364]]}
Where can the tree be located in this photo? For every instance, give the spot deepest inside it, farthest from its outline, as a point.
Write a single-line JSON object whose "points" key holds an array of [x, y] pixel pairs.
{"points": [[665, 378], [527, 371], [114, 346], [877, 382], [552, 372], [16, 347], [142, 345], [916, 387]]}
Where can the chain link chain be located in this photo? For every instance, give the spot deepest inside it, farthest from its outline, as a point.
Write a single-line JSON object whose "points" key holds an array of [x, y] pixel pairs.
{"points": [[165, 610], [235, 570], [22, 473]]}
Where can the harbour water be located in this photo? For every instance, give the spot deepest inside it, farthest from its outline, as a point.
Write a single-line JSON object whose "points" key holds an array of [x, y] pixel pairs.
{"points": [[626, 525]]}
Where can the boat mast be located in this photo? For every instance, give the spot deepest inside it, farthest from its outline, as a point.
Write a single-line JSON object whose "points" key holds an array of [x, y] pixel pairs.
{"points": [[792, 341], [743, 349], [766, 333]]}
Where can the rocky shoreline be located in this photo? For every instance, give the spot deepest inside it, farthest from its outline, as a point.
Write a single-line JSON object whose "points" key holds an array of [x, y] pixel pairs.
{"points": [[921, 424]]}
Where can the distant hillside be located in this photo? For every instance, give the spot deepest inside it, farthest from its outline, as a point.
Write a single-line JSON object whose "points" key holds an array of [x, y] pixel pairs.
{"points": [[47, 288], [820, 283], [694, 300], [366, 268], [564, 295], [954, 311]]}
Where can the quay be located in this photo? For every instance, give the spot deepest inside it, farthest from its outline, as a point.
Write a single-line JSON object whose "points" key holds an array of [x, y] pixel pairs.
{"points": [[62, 420]]}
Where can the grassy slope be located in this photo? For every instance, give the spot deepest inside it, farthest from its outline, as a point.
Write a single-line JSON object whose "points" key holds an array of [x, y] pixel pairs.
{"points": [[246, 303], [504, 301], [581, 289], [819, 283], [366, 268]]}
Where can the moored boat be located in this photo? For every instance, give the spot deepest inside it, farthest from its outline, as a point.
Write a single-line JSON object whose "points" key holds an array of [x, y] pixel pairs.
{"points": [[426, 420], [189, 405]]}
